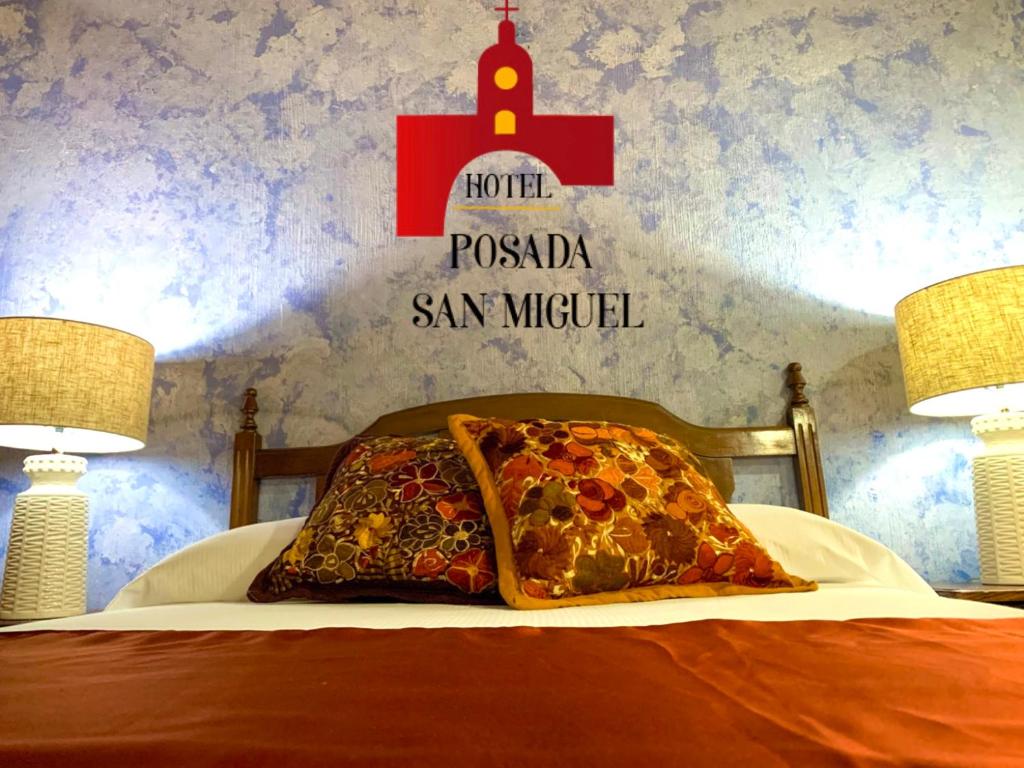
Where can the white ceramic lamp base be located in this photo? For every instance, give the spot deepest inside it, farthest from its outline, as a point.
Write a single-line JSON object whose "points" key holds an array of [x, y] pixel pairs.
{"points": [[999, 497], [46, 556]]}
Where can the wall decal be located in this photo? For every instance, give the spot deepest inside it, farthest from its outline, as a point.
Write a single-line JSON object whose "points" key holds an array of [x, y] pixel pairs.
{"points": [[432, 149]]}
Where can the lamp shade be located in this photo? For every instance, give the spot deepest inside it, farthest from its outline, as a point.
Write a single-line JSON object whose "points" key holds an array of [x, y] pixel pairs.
{"points": [[962, 344], [72, 386]]}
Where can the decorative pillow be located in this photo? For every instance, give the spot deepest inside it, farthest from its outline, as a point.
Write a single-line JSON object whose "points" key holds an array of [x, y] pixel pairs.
{"points": [[591, 512], [402, 518]]}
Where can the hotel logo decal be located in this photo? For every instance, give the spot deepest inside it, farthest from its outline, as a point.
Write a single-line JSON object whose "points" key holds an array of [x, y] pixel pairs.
{"points": [[433, 149]]}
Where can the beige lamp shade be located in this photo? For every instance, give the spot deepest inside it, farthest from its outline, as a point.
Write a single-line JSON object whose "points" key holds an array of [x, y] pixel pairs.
{"points": [[72, 386], [962, 344]]}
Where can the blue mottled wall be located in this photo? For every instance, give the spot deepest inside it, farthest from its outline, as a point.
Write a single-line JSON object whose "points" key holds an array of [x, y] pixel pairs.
{"points": [[217, 175]]}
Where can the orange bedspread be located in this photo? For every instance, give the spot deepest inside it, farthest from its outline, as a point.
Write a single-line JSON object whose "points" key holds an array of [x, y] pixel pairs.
{"points": [[933, 692]]}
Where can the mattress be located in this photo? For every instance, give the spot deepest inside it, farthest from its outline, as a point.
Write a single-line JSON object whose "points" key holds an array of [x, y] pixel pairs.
{"points": [[871, 669]]}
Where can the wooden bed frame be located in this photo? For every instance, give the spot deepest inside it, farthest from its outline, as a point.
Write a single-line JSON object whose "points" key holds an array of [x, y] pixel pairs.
{"points": [[716, 447]]}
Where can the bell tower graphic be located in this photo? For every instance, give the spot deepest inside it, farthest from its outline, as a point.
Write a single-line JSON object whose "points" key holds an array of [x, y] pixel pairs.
{"points": [[433, 149]]}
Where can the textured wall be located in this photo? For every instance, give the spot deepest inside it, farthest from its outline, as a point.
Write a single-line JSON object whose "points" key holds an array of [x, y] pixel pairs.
{"points": [[217, 175]]}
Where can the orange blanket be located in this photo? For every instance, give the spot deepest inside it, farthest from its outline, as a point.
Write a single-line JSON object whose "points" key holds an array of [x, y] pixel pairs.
{"points": [[931, 692]]}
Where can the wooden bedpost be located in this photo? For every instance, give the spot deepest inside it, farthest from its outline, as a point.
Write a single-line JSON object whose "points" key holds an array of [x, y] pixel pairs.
{"points": [[244, 489], [811, 479]]}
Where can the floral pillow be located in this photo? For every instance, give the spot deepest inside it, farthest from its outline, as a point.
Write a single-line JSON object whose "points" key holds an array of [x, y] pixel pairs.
{"points": [[592, 512], [402, 518]]}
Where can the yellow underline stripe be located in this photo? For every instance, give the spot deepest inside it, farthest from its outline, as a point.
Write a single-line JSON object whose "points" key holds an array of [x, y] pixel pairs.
{"points": [[508, 207]]}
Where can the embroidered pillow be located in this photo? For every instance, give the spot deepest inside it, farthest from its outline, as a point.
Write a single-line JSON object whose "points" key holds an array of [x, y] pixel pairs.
{"points": [[402, 518], [590, 512]]}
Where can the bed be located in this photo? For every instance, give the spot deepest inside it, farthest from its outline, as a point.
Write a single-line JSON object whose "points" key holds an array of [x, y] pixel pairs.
{"points": [[872, 668]]}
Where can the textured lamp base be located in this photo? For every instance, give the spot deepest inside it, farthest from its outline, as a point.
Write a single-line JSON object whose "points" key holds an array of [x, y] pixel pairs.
{"points": [[999, 497], [46, 558]]}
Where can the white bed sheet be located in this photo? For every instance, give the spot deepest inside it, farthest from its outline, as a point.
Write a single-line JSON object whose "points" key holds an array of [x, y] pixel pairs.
{"points": [[830, 602]]}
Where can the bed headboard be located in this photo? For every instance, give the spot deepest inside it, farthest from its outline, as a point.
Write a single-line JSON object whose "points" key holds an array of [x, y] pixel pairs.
{"points": [[717, 447]]}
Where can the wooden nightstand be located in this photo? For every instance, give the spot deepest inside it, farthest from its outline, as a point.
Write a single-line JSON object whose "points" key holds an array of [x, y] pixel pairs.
{"points": [[984, 593]]}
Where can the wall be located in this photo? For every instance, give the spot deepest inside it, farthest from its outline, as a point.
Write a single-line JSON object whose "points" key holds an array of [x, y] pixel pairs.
{"points": [[218, 177]]}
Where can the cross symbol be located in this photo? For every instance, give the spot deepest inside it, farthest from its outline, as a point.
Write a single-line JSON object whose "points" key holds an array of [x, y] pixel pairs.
{"points": [[507, 9]]}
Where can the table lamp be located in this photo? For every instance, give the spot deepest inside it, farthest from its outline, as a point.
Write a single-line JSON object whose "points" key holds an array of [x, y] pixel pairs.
{"points": [[64, 386], [962, 346]]}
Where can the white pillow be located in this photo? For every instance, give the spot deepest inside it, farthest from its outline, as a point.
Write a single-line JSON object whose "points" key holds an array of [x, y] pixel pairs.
{"points": [[814, 547], [221, 567], [217, 569]]}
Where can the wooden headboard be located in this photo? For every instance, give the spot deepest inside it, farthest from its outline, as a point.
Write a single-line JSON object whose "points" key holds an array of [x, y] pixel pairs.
{"points": [[716, 447]]}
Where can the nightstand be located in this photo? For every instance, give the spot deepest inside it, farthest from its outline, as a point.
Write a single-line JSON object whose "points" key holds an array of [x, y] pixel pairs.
{"points": [[984, 593]]}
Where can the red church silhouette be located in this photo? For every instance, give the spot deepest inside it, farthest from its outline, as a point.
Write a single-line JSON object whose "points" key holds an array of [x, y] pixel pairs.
{"points": [[432, 149]]}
